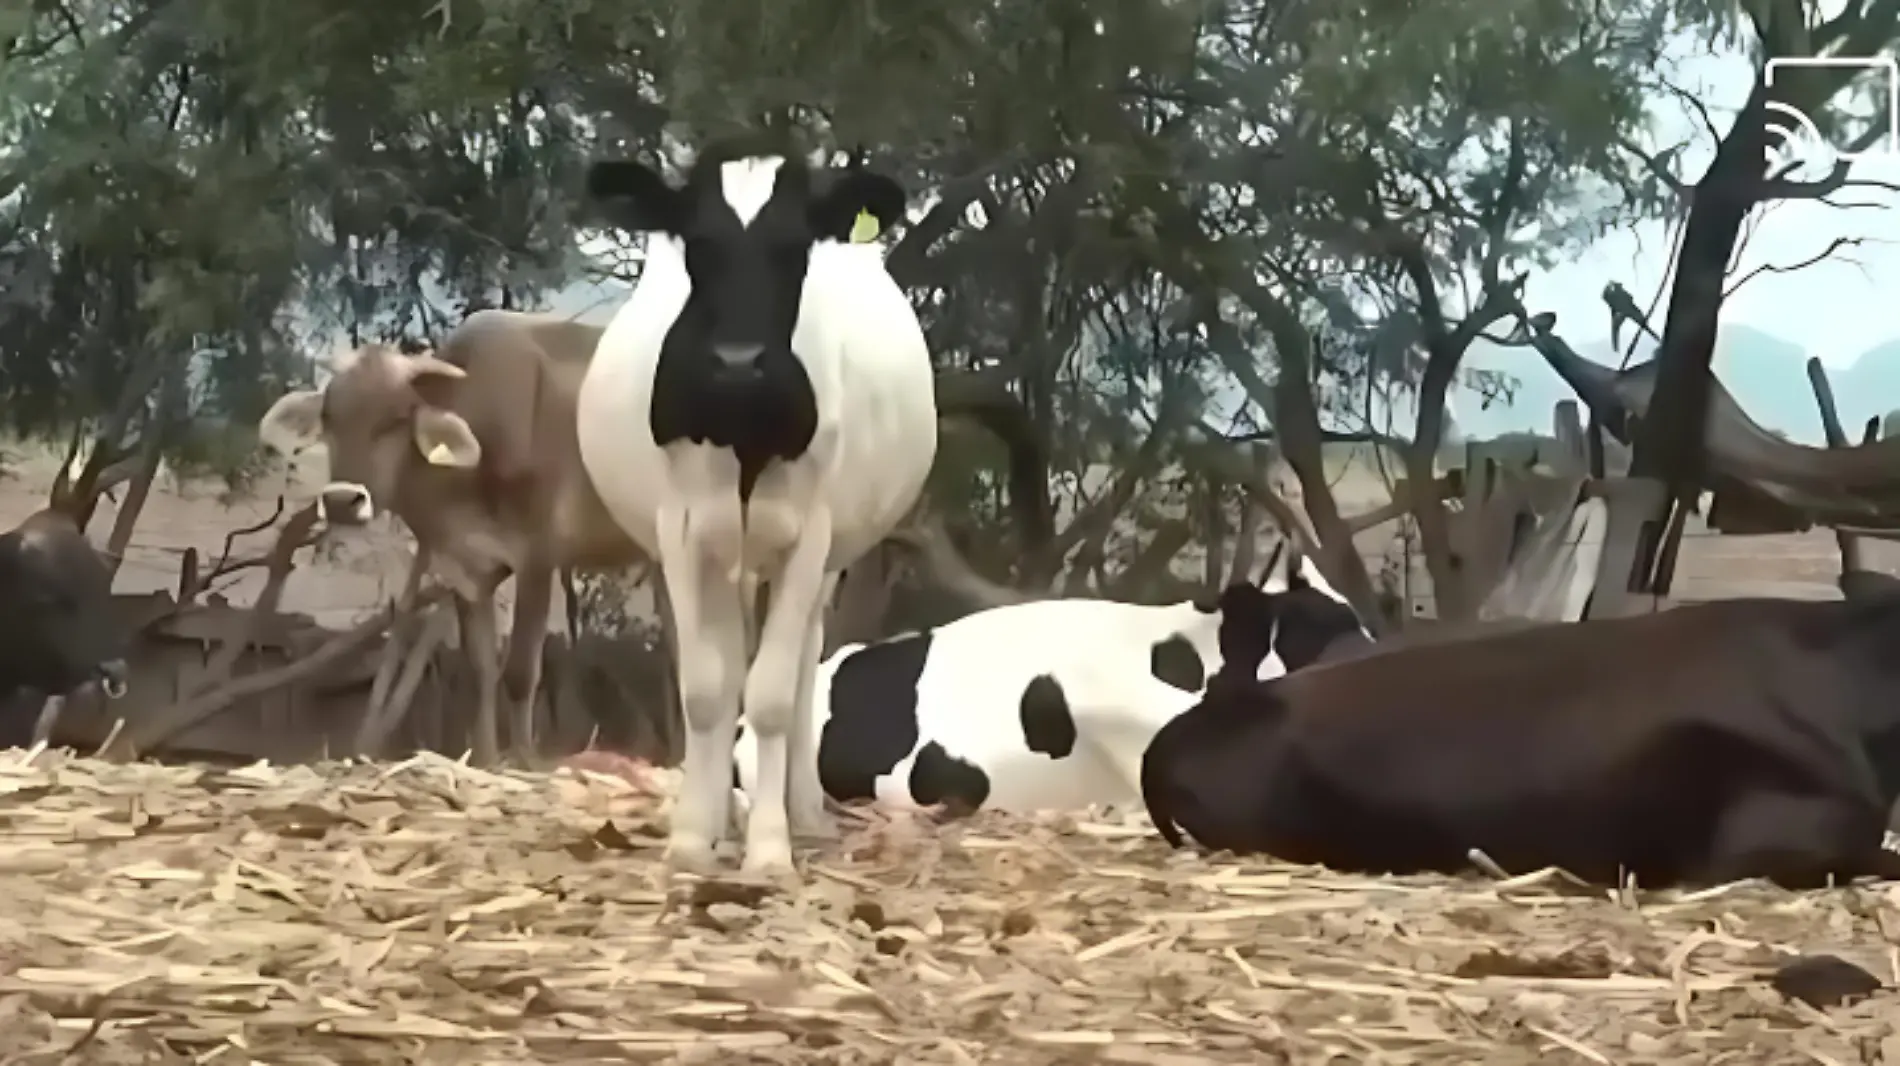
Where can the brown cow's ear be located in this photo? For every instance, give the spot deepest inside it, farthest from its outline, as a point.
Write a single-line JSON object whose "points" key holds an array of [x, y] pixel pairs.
{"points": [[293, 422], [444, 439]]}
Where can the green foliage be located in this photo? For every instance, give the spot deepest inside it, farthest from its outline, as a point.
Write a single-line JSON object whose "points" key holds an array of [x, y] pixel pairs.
{"points": [[1138, 204]]}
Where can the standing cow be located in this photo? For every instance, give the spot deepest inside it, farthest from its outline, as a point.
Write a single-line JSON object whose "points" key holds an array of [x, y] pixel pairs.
{"points": [[761, 410], [58, 629], [473, 447], [1048, 705]]}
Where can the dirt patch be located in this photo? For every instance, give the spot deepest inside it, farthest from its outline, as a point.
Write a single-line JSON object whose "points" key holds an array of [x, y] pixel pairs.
{"points": [[428, 912]]}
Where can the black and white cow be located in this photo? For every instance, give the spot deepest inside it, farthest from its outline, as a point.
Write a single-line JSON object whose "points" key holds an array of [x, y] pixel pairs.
{"points": [[761, 411], [1048, 705]]}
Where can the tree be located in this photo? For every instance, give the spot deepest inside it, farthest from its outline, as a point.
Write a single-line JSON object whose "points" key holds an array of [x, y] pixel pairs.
{"points": [[1739, 181]]}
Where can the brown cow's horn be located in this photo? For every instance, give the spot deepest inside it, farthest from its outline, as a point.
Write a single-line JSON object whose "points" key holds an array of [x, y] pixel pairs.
{"points": [[416, 366]]}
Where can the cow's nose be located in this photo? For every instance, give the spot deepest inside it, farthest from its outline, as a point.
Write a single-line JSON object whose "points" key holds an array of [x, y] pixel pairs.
{"points": [[112, 675], [344, 504], [738, 356]]}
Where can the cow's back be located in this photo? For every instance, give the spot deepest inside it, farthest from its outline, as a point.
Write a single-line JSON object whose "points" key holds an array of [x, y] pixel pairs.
{"points": [[1428, 635], [525, 372]]}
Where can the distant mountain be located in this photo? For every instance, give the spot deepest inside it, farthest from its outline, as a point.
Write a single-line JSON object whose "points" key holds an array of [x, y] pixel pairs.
{"points": [[1869, 388], [1767, 375]]}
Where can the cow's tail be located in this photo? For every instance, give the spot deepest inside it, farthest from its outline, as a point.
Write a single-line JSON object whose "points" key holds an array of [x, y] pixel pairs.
{"points": [[1157, 786]]}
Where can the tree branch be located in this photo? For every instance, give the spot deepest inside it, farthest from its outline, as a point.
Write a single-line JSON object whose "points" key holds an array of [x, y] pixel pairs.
{"points": [[954, 198], [1770, 268]]}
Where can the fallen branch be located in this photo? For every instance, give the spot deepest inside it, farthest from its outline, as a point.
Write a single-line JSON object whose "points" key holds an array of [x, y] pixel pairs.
{"points": [[947, 567], [381, 719], [183, 715], [392, 658], [296, 534], [192, 583]]}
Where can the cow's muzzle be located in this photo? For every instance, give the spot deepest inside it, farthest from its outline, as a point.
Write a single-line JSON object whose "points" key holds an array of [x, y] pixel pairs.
{"points": [[345, 503], [112, 678]]}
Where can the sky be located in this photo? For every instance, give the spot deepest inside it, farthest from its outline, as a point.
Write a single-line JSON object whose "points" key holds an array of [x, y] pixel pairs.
{"points": [[1836, 309]]}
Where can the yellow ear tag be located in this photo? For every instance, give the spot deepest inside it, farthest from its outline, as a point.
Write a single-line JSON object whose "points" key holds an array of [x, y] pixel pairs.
{"points": [[864, 230], [440, 455]]}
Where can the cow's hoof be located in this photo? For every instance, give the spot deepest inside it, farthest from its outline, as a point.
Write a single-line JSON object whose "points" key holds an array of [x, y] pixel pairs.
{"points": [[692, 855], [770, 861]]}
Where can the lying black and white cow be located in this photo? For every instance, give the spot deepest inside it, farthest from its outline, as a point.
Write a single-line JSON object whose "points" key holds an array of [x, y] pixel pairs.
{"points": [[1704, 744], [1048, 705]]}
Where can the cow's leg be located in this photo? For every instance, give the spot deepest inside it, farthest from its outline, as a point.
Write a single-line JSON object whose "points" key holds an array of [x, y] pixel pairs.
{"points": [[709, 633], [477, 620], [805, 795], [521, 673], [1797, 841], [48, 721], [772, 690]]}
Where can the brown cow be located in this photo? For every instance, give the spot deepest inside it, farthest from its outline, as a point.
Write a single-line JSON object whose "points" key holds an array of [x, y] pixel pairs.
{"points": [[1700, 745], [474, 448]]}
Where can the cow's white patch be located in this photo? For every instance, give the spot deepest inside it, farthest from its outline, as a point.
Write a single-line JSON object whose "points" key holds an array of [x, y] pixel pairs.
{"points": [[748, 184]]}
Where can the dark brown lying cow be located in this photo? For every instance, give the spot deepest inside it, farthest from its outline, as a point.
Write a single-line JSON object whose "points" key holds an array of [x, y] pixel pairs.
{"points": [[1705, 744], [58, 629]]}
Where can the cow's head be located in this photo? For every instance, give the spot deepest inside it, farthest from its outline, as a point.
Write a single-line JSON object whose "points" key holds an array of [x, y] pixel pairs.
{"points": [[380, 411], [59, 631], [1282, 622], [1279, 622], [742, 226]]}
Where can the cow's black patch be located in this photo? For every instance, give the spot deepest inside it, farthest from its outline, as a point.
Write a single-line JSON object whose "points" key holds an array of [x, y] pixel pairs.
{"points": [[727, 375], [1307, 623], [1175, 662], [940, 777], [873, 723], [1048, 728], [736, 782]]}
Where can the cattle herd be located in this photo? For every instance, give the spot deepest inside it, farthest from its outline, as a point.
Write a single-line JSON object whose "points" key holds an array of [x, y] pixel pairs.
{"points": [[761, 413]]}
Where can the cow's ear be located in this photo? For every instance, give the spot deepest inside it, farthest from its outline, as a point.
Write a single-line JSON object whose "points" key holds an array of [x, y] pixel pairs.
{"points": [[444, 439], [633, 197], [859, 206], [293, 422]]}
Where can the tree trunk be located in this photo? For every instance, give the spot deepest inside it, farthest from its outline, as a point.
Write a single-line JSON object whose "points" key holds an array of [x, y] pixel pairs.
{"points": [[1668, 440]]}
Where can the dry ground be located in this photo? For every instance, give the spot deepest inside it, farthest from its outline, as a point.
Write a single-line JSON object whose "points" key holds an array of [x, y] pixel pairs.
{"points": [[426, 912], [432, 913]]}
